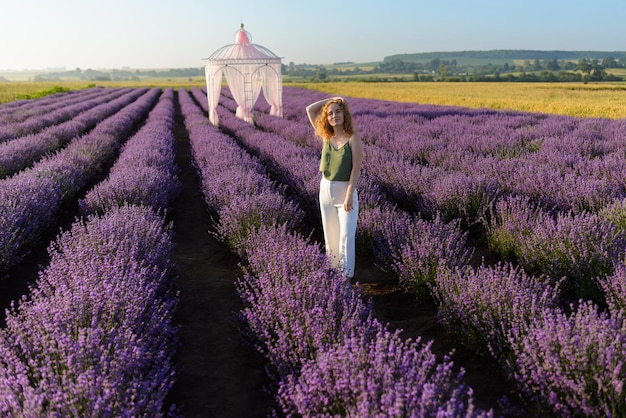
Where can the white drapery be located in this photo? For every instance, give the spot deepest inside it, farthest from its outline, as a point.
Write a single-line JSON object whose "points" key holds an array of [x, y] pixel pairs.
{"points": [[248, 69]]}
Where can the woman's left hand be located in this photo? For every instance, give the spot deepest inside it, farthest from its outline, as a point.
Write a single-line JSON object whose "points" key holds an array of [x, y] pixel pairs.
{"points": [[347, 205]]}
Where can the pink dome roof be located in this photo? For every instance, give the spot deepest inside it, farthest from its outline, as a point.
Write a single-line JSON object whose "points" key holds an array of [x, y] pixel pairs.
{"points": [[242, 49]]}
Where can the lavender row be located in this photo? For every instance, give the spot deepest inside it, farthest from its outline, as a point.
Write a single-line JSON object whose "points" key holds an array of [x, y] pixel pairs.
{"points": [[21, 152], [95, 337], [579, 249], [329, 355], [134, 359], [563, 362], [235, 186], [299, 311], [45, 116], [145, 172], [20, 110], [30, 200]]}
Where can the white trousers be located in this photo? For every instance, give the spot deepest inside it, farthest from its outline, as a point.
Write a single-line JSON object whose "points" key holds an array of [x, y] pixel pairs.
{"points": [[339, 225]]}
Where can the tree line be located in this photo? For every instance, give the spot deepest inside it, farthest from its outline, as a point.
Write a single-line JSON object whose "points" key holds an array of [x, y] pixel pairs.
{"points": [[437, 69], [395, 68], [118, 74]]}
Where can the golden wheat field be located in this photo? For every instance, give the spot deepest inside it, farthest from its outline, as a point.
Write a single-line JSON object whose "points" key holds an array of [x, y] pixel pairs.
{"points": [[572, 99]]}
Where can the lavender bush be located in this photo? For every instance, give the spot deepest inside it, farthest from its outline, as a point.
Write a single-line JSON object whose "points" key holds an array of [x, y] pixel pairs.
{"points": [[32, 198], [481, 305], [233, 184], [19, 153], [293, 313], [377, 377], [573, 364], [95, 337], [614, 288], [144, 173], [417, 252], [615, 212], [581, 247]]}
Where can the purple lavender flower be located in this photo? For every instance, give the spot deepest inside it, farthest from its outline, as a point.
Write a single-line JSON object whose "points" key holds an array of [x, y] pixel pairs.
{"points": [[573, 364], [95, 337], [384, 376], [483, 304]]}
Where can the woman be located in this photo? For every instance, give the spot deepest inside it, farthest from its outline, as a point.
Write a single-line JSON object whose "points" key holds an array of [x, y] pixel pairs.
{"points": [[342, 155]]}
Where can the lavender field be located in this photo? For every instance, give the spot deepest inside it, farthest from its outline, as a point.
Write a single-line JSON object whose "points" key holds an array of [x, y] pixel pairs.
{"points": [[512, 225]]}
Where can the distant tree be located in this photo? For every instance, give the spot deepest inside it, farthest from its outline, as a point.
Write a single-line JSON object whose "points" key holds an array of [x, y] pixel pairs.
{"points": [[569, 76], [536, 65], [321, 73], [609, 62], [584, 66], [443, 71], [551, 65], [597, 73], [568, 66], [434, 65]]}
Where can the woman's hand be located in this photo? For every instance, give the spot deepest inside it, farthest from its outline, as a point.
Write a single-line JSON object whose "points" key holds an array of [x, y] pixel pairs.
{"points": [[348, 204]]}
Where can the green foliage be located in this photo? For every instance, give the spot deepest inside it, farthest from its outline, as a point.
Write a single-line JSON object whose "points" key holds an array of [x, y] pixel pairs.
{"points": [[615, 213], [471, 66], [475, 57], [53, 90]]}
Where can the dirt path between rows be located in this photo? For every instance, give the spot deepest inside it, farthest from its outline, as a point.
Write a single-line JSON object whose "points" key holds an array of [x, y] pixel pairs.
{"points": [[218, 375]]}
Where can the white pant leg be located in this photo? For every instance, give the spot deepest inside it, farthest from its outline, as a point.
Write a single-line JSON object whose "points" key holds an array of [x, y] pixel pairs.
{"points": [[339, 226], [330, 222], [347, 236]]}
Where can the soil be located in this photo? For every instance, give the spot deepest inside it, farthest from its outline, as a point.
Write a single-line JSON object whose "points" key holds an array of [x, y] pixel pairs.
{"points": [[218, 374]]}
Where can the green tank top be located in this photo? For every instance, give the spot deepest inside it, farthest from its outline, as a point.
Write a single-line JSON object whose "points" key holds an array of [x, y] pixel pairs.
{"points": [[336, 164]]}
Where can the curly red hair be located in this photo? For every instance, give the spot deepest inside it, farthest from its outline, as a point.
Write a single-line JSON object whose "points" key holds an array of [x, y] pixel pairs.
{"points": [[324, 129]]}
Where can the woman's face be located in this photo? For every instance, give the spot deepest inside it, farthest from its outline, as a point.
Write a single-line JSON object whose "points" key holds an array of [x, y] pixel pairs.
{"points": [[335, 115]]}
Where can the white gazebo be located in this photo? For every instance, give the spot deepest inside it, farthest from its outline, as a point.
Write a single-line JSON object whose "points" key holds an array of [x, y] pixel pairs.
{"points": [[248, 68]]}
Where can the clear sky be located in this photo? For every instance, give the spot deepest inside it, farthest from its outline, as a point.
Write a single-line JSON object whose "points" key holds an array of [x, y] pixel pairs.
{"points": [[36, 34]]}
